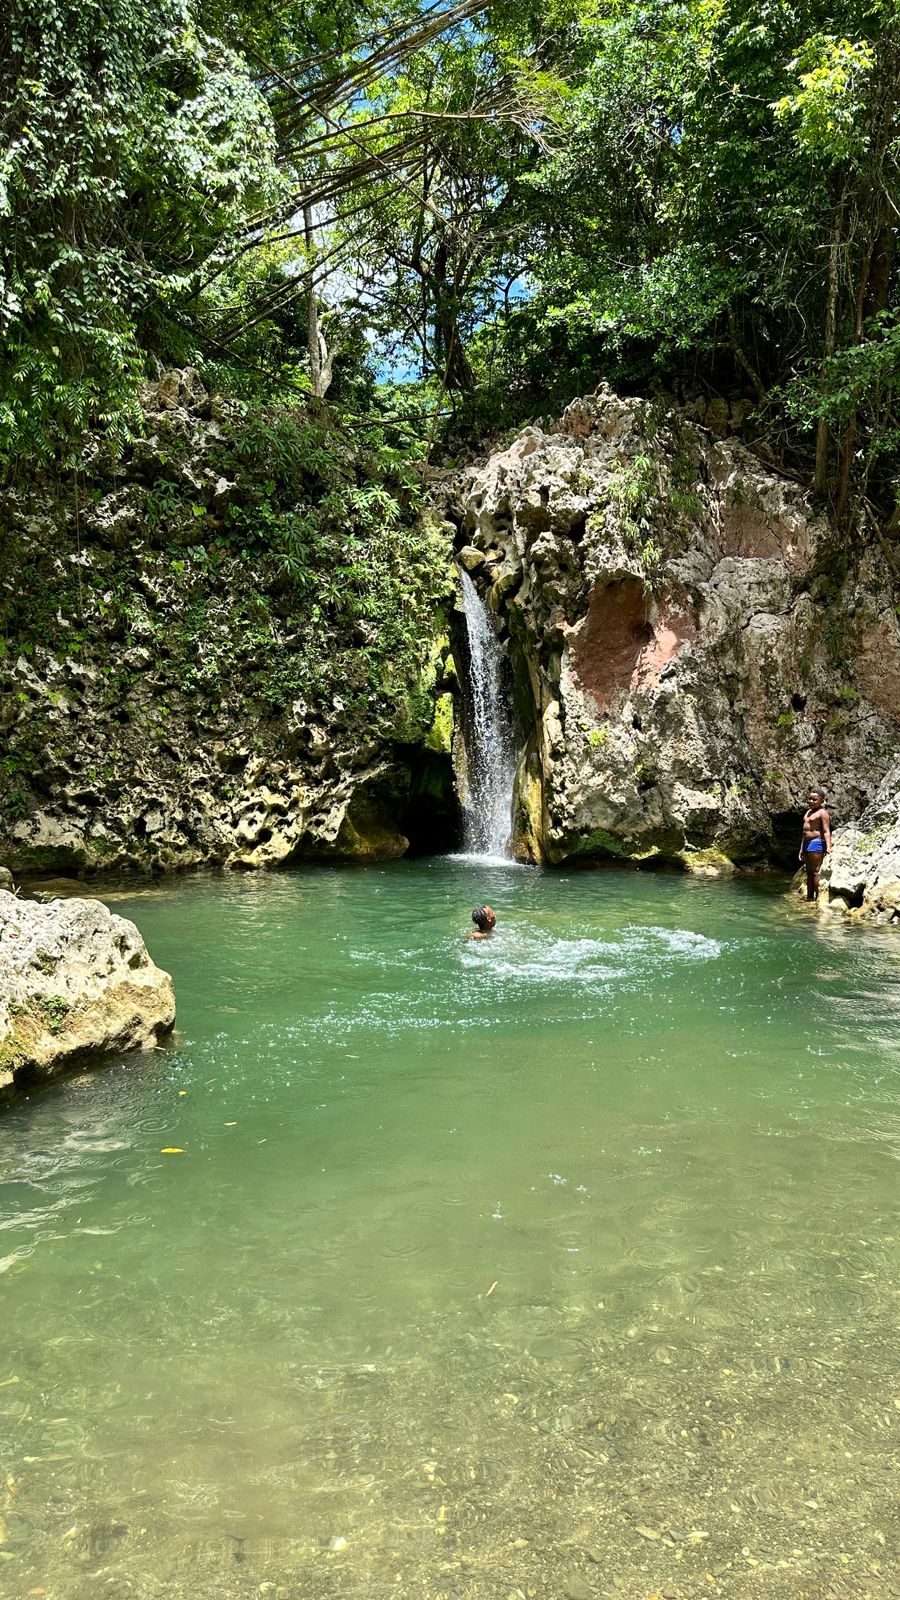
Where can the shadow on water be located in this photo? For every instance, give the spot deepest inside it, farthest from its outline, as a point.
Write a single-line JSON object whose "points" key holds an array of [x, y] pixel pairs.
{"points": [[563, 1263]]}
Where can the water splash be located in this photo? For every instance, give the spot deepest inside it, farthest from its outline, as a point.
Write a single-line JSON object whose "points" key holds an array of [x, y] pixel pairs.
{"points": [[490, 745]]}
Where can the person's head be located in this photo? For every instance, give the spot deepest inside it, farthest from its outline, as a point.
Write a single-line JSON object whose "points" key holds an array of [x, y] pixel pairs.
{"points": [[816, 797], [484, 919]]}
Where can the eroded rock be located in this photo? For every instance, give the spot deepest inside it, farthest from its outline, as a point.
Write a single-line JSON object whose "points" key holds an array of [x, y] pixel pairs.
{"points": [[862, 875], [76, 984], [160, 705], [693, 643]]}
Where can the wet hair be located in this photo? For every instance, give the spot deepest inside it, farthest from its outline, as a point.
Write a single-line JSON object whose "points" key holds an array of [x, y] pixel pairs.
{"points": [[481, 919]]}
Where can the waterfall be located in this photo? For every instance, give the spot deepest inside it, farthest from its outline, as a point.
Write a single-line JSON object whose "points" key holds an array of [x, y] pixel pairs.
{"points": [[490, 745]]}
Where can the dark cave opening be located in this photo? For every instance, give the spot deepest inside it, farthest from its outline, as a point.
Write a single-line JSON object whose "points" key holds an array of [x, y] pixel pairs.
{"points": [[429, 811], [786, 831]]}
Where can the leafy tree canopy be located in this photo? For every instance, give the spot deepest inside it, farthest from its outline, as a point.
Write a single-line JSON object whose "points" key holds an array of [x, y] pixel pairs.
{"points": [[499, 204]]}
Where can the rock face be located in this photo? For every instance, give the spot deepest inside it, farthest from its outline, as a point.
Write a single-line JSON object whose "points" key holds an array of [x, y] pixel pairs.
{"points": [[76, 983], [693, 645], [863, 874], [164, 702]]}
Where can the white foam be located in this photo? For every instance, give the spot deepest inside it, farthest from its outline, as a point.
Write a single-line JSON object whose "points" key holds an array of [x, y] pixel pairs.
{"points": [[474, 859], [515, 956], [683, 942]]}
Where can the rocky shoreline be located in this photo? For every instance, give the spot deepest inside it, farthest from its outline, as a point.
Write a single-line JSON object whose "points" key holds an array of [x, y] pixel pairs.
{"points": [[862, 878]]}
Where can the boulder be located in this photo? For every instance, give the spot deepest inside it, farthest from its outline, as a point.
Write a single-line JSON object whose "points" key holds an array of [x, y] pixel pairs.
{"points": [[76, 984], [469, 558], [862, 875]]}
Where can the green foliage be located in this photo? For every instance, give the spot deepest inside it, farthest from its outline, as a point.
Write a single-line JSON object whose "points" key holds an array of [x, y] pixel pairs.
{"points": [[54, 1008], [599, 843], [313, 597], [501, 204], [346, 529], [632, 490], [651, 509], [710, 153], [827, 105], [134, 144]]}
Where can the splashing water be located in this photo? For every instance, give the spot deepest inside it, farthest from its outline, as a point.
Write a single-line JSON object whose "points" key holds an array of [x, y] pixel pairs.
{"points": [[490, 745]]}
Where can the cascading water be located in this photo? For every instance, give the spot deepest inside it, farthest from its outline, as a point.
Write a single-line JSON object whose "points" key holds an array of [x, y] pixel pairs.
{"points": [[490, 744]]}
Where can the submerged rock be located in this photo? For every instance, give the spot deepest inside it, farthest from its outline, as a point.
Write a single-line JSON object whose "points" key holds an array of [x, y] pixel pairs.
{"points": [[76, 983], [693, 643]]}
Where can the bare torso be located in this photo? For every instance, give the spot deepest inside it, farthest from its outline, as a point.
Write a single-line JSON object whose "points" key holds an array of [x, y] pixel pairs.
{"points": [[816, 842], [816, 825]]}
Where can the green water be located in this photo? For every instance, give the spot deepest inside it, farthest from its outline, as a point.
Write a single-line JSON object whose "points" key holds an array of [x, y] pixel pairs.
{"points": [[562, 1264]]}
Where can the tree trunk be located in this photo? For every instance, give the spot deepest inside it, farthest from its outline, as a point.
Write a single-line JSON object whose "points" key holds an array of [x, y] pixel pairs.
{"points": [[449, 349], [823, 432], [743, 359], [459, 374], [320, 360]]}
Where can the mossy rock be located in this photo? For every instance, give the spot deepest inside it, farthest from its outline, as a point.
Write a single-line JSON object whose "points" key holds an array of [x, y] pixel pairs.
{"points": [[528, 813], [469, 558], [599, 843], [39, 858], [440, 735], [366, 835], [706, 863]]}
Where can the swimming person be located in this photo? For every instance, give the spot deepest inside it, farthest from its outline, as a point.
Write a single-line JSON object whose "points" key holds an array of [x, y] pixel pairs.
{"points": [[485, 923], [816, 842]]}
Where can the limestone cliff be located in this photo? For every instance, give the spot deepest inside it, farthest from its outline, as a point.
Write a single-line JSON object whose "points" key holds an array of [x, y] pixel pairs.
{"points": [[693, 644], [179, 687]]}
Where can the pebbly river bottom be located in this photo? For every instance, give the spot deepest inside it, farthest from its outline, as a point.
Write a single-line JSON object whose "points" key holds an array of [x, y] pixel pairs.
{"points": [[563, 1264]]}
